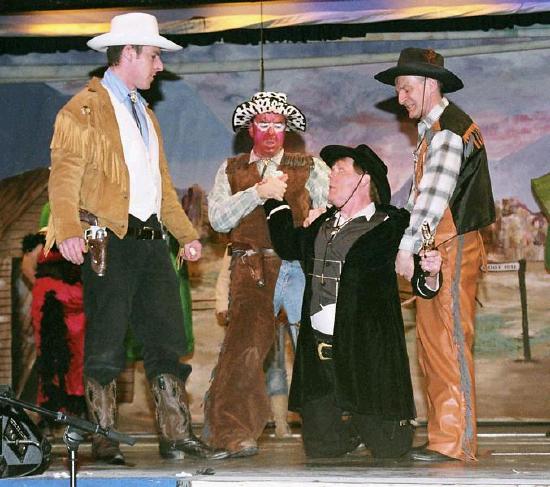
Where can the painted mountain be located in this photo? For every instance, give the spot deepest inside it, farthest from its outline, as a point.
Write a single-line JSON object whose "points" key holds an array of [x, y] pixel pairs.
{"points": [[511, 176], [196, 140], [28, 114]]}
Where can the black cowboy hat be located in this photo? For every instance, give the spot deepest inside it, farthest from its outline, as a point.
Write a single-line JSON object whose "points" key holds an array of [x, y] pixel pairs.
{"points": [[367, 160], [421, 62]]}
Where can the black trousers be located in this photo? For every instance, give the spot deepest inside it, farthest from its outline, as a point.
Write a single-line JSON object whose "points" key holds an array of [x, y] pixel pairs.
{"points": [[139, 290], [328, 431]]}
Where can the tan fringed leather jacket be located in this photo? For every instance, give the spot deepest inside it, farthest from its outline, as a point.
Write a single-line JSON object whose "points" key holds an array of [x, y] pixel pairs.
{"points": [[88, 171]]}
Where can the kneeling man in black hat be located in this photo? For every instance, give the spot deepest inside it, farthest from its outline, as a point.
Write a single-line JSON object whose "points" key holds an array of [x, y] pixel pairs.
{"points": [[351, 380]]}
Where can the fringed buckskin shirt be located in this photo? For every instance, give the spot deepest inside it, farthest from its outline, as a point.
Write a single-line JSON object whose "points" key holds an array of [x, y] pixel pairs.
{"points": [[88, 171]]}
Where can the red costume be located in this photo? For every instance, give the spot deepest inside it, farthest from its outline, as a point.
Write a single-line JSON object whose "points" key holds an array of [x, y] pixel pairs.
{"points": [[59, 323]]}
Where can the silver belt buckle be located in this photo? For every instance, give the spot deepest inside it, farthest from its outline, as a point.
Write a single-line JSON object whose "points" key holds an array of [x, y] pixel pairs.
{"points": [[147, 229]]}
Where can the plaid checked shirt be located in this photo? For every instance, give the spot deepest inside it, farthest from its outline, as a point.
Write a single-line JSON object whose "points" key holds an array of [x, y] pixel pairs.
{"points": [[225, 210], [441, 168]]}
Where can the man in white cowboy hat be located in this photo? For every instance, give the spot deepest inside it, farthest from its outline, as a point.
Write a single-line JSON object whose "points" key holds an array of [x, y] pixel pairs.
{"points": [[109, 178], [451, 192], [237, 407]]}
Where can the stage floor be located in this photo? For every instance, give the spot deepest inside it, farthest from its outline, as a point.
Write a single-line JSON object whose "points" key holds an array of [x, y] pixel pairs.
{"points": [[509, 454]]}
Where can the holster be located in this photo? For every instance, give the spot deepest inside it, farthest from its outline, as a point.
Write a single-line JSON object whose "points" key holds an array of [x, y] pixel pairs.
{"points": [[253, 258], [255, 262], [96, 238], [98, 251]]}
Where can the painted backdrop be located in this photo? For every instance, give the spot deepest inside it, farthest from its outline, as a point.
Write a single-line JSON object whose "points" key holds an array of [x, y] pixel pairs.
{"points": [[506, 94]]}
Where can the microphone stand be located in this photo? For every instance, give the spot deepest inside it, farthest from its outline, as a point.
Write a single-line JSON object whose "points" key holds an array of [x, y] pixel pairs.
{"points": [[75, 427], [72, 439]]}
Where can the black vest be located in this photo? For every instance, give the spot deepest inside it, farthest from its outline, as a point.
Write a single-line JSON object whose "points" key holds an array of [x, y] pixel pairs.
{"points": [[331, 248], [471, 203]]}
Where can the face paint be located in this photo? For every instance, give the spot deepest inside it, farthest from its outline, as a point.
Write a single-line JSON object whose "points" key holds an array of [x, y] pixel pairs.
{"points": [[265, 126], [266, 134]]}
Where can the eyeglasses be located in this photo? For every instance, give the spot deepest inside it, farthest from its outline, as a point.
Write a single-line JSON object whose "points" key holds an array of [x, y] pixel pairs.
{"points": [[276, 126]]}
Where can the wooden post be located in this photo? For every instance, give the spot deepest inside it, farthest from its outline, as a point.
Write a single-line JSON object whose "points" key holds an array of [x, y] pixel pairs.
{"points": [[524, 319], [519, 266]]}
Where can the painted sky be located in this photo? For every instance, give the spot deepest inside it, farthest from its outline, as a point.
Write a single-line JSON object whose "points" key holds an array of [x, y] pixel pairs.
{"points": [[504, 93]]}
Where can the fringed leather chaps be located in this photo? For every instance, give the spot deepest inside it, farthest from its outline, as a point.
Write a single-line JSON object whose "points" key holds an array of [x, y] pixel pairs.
{"points": [[237, 406], [445, 335]]}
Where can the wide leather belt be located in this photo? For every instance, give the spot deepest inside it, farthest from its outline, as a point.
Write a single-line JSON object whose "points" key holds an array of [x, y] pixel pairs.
{"points": [[139, 233], [87, 217], [144, 233], [240, 252]]}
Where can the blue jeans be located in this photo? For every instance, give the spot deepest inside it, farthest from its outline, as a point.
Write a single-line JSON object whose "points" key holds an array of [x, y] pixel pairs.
{"points": [[289, 291]]}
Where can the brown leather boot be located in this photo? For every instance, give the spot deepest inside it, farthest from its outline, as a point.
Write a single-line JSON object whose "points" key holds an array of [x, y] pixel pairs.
{"points": [[101, 401], [279, 409], [174, 421]]}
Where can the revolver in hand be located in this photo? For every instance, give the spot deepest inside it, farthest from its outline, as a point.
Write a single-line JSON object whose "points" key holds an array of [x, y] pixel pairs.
{"points": [[428, 237]]}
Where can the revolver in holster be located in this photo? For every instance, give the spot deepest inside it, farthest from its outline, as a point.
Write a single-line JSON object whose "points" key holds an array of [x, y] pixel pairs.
{"points": [[255, 262], [97, 237]]}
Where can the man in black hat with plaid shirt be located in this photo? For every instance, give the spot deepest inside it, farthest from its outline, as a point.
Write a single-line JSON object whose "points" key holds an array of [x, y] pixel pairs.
{"points": [[451, 192]]}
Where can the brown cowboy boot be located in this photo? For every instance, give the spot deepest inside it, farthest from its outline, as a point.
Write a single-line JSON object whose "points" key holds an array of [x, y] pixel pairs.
{"points": [[174, 421], [101, 401], [279, 409]]}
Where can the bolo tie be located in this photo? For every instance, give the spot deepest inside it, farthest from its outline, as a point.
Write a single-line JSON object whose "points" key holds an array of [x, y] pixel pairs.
{"points": [[265, 162], [134, 99]]}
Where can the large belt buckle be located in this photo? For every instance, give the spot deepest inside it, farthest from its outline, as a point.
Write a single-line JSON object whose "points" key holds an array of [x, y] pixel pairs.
{"points": [[147, 233], [320, 347]]}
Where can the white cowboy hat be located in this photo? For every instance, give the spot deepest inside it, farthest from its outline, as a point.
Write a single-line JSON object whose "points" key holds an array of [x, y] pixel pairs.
{"points": [[268, 102], [134, 28]]}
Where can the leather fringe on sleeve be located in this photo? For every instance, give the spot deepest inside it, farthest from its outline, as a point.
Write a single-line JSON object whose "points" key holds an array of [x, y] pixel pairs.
{"points": [[91, 145], [473, 130]]}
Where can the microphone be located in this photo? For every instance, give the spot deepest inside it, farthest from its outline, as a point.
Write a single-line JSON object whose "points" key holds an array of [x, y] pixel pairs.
{"points": [[85, 425]]}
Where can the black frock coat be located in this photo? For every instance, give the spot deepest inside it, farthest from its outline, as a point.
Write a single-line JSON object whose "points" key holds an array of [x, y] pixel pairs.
{"points": [[369, 350]]}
